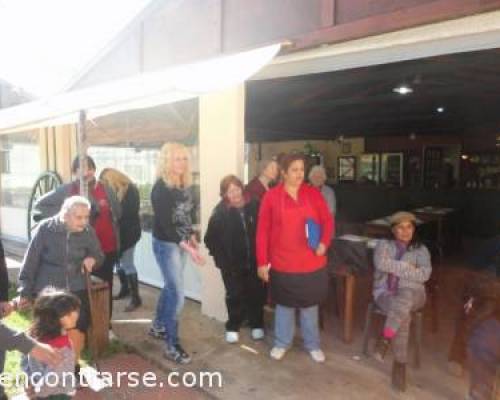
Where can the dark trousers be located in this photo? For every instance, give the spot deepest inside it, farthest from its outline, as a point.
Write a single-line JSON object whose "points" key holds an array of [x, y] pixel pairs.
{"points": [[483, 349], [105, 272], [245, 297]]}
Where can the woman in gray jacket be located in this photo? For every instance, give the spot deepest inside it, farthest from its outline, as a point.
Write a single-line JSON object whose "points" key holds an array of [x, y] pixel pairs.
{"points": [[62, 250], [402, 266], [104, 216]]}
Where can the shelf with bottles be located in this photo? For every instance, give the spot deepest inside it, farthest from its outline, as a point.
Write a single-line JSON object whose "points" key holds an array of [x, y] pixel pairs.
{"points": [[481, 170]]}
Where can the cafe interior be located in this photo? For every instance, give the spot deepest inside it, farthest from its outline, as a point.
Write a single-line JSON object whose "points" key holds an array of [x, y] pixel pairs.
{"points": [[421, 135]]}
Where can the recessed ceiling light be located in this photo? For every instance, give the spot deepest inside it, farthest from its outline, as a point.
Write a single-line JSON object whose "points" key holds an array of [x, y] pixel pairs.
{"points": [[403, 89], [440, 109]]}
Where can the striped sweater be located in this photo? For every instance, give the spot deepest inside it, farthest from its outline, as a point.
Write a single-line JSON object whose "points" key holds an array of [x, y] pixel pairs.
{"points": [[413, 269]]}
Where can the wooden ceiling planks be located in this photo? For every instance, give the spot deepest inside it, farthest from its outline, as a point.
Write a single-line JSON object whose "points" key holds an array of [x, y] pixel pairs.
{"points": [[361, 100]]}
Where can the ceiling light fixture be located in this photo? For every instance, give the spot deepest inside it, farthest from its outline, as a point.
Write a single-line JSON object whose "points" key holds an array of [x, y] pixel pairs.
{"points": [[403, 90], [440, 109], [465, 156]]}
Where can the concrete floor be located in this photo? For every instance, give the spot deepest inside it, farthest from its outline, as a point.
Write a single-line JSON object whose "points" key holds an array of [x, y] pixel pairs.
{"points": [[249, 373]]}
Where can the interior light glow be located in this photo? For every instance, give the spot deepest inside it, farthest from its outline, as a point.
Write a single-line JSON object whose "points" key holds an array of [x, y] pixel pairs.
{"points": [[403, 90]]}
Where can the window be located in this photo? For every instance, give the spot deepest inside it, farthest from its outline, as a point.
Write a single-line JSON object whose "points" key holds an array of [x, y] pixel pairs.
{"points": [[20, 162]]}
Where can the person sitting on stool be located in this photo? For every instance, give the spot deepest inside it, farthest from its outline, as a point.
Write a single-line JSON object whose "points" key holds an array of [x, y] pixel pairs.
{"points": [[402, 266]]}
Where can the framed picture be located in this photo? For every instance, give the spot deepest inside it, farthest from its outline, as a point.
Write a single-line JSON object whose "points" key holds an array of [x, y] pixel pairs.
{"points": [[392, 169], [346, 148], [369, 168], [347, 168]]}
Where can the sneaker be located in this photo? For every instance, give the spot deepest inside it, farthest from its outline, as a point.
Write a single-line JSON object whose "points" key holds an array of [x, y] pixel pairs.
{"points": [[317, 355], [157, 333], [177, 354], [257, 334], [111, 336], [232, 337], [277, 353]]}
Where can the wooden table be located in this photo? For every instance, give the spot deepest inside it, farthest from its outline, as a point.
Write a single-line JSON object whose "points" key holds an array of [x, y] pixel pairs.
{"points": [[348, 303], [345, 272], [435, 214]]}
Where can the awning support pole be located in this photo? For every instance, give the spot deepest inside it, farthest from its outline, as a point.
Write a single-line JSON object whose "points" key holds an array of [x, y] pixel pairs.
{"points": [[81, 148]]}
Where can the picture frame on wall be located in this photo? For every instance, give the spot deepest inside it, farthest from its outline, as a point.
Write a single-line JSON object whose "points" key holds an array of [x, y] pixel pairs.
{"points": [[347, 169], [346, 148], [392, 169], [369, 168]]}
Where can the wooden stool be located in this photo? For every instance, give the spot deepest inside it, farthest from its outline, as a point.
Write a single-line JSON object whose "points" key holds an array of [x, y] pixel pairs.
{"points": [[416, 321]]}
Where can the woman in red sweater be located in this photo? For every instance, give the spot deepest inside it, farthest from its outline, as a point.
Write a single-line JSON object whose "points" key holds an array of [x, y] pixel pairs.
{"points": [[296, 271]]}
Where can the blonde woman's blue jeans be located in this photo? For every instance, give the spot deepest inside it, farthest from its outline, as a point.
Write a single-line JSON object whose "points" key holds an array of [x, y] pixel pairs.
{"points": [[171, 260]]}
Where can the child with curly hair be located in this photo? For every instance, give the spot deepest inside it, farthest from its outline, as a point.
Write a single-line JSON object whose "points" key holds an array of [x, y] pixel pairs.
{"points": [[55, 312]]}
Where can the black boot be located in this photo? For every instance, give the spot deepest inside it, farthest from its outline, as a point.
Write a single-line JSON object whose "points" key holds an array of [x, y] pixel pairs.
{"points": [[124, 289], [381, 348], [135, 299], [399, 376]]}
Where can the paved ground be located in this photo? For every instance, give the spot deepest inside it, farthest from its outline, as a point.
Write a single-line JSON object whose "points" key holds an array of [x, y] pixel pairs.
{"points": [[249, 373], [156, 387], [136, 363]]}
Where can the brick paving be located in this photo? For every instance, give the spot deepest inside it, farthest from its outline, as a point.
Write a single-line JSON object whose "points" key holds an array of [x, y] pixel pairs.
{"points": [[128, 362]]}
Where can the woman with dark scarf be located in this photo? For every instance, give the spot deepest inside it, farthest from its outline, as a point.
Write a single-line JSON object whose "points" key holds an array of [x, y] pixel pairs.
{"points": [[402, 266]]}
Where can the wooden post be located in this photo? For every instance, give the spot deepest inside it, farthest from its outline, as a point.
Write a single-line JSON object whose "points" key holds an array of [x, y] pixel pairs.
{"points": [[81, 138]]}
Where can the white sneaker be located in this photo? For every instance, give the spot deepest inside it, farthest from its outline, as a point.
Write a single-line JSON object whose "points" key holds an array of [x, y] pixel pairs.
{"points": [[257, 334], [232, 337], [318, 356], [111, 336], [277, 353]]}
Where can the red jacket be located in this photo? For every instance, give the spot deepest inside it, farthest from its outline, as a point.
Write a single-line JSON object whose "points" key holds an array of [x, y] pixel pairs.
{"points": [[281, 235]]}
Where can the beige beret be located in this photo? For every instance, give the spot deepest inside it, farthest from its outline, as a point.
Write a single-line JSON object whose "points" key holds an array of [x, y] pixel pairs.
{"points": [[401, 216]]}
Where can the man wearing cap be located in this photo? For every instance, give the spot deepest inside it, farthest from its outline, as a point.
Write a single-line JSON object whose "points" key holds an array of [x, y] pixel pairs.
{"points": [[402, 266]]}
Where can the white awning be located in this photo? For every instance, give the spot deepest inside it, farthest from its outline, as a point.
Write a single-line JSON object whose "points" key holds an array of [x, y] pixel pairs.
{"points": [[142, 91]]}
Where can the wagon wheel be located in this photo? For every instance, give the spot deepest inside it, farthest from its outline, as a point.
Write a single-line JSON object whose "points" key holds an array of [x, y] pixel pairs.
{"points": [[45, 183]]}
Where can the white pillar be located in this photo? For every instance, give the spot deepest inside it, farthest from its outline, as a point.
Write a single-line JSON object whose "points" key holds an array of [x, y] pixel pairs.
{"points": [[222, 142]]}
